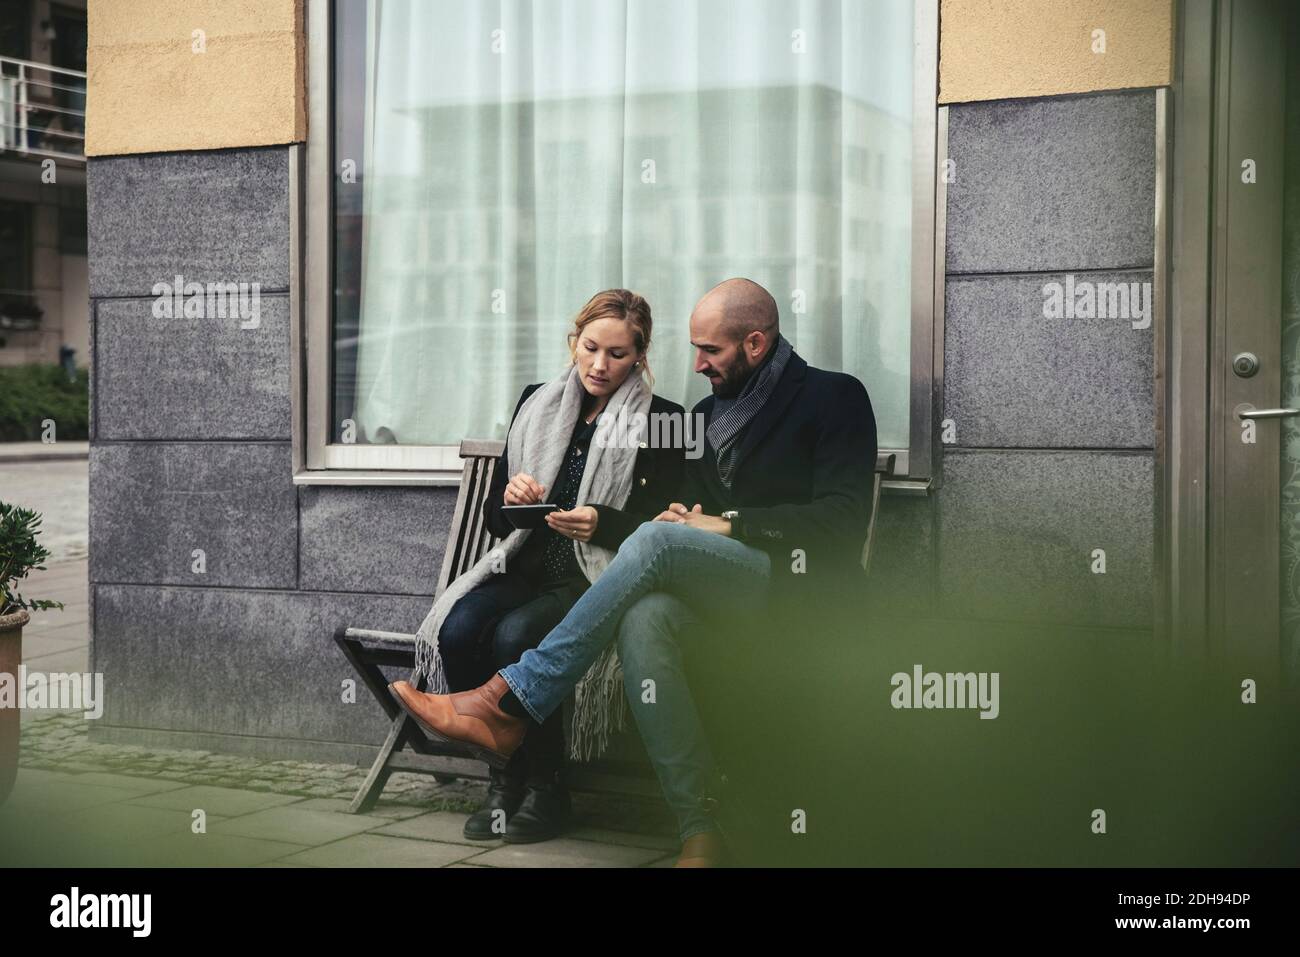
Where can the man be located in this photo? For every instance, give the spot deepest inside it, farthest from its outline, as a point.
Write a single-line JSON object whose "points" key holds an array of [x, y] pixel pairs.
{"points": [[781, 494]]}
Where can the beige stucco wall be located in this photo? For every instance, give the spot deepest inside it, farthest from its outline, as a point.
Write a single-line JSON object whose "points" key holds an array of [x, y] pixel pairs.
{"points": [[148, 91], [998, 49]]}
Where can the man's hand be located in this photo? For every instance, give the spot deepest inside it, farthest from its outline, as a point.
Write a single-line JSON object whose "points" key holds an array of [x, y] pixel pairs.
{"points": [[707, 523], [578, 523], [695, 518], [675, 513], [524, 490]]}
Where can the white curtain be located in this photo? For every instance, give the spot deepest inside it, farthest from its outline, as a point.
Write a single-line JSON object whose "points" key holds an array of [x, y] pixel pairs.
{"points": [[520, 156]]}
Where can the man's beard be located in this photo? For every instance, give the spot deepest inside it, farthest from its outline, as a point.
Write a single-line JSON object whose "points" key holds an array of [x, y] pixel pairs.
{"points": [[733, 381]]}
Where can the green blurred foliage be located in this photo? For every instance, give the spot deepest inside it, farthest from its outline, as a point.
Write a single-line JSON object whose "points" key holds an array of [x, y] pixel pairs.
{"points": [[29, 394]]}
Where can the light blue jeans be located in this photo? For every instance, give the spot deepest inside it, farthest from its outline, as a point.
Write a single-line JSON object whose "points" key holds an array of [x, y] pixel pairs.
{"points": [[663, 573]]}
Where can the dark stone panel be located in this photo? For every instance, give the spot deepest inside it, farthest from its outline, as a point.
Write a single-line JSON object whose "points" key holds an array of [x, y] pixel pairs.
{"points": [[1014, 378], [92, 384], [1017, 530], [374, 539], [209, 216], [152, 504], [1065, 182], [213, 664], [181, 378], [230, 661]]}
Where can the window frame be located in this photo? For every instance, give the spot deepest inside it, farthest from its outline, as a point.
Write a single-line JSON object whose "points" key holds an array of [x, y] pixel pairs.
{"points": [[317, 461]]}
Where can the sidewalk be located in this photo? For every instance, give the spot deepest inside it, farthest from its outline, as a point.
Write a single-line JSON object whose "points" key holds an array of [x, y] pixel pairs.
{"points": [[43, 451], [58, 490], [83, 804]]}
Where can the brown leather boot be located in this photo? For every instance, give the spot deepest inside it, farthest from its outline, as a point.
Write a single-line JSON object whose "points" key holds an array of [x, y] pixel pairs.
{"points": [[702, 850], [472, 718]]}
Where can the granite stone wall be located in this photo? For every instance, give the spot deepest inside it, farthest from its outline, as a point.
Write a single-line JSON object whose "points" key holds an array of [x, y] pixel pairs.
{"points": [[1052, 428], [1050, 453]]}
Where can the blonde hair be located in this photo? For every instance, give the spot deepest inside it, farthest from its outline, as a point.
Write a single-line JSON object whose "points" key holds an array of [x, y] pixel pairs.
{"points": [[619, 304]]}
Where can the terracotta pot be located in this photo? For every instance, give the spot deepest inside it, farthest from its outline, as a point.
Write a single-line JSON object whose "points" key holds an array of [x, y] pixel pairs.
{"points": [[11, 653]]}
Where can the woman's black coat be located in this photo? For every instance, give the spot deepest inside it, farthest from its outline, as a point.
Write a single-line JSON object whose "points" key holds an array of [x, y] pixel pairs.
{"points": [[656, 480]]}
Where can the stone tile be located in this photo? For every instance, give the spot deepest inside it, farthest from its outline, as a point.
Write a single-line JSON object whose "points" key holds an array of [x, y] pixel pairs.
{"points": [[1015, 379], [214, 850], [392, 812], [296, 826], [218, 801], [232, 662], [623, 838], [341, 525], [152, 505], [68, 659], [192, 378], [1064, 182], [130, 821], [435, 826], [47, 796], [45, 641], [376, 850], [567, 852], [1017, 530], [211, 216], [92, 420], [129, 783]]}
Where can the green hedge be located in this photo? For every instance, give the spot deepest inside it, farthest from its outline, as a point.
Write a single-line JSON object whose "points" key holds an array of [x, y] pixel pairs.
{"points": [[29, 394]]}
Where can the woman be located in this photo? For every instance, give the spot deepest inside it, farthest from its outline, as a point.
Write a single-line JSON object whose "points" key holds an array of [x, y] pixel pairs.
{"points": [[605, 486]]}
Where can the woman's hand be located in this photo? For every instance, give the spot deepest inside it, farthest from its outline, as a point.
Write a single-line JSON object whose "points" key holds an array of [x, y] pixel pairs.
{"points": [[524, 490], [578, 523]]}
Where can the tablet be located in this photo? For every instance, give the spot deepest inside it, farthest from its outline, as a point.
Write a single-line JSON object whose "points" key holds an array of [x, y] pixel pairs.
{"points": [[527, 516]]}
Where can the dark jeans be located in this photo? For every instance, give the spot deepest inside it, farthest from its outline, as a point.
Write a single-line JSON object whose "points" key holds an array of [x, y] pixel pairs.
{"points": [[491, 627]]}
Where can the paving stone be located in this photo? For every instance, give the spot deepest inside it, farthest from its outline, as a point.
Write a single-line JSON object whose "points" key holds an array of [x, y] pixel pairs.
{"points": [[132, 821], [376, 850], [435, 826], [215, 850], [225, 802], [605, 836], [392, 812], [138, 784], [567, 852], [141, 790], [298, 826], [28, 800]]}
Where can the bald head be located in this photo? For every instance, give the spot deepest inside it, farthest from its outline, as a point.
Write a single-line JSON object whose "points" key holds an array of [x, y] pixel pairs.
{"points": [[740, 306], [732, 329]]}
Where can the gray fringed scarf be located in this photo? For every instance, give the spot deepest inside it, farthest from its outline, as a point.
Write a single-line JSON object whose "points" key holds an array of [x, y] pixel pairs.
{"points": [[725, 429], [537, 444]]}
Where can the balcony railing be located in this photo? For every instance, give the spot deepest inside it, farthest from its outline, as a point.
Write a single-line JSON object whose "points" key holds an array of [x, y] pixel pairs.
{"points": [[42, 110]]}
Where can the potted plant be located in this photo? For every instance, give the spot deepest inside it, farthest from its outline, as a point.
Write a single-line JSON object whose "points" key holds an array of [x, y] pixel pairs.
{"points": [[19, 554]]}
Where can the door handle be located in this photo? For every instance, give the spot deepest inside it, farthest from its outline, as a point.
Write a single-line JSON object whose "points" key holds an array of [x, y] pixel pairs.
{"points": [[1267, 413]]}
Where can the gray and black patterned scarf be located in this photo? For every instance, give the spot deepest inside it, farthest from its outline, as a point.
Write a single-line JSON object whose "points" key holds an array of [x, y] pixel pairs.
{"points": [[726, 428]]}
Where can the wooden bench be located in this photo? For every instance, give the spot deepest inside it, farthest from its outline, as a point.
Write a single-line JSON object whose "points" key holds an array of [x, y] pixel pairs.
{"points": [[369, 651]]}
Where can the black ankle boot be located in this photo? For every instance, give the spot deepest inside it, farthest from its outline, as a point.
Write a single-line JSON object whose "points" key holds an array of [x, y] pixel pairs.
{"points": [[544, 812], [505, 792]]}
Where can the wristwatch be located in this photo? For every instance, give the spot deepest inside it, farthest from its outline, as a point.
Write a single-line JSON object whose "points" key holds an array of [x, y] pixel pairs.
{"points": [[733, 516]]}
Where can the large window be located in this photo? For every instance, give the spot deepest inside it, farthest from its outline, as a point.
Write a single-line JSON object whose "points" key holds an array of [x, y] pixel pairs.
{"points": [[492, 165]]}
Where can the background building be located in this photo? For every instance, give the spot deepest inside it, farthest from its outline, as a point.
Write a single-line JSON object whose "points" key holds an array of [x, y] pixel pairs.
{"points": [[1040, 446], [43, 291]]}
